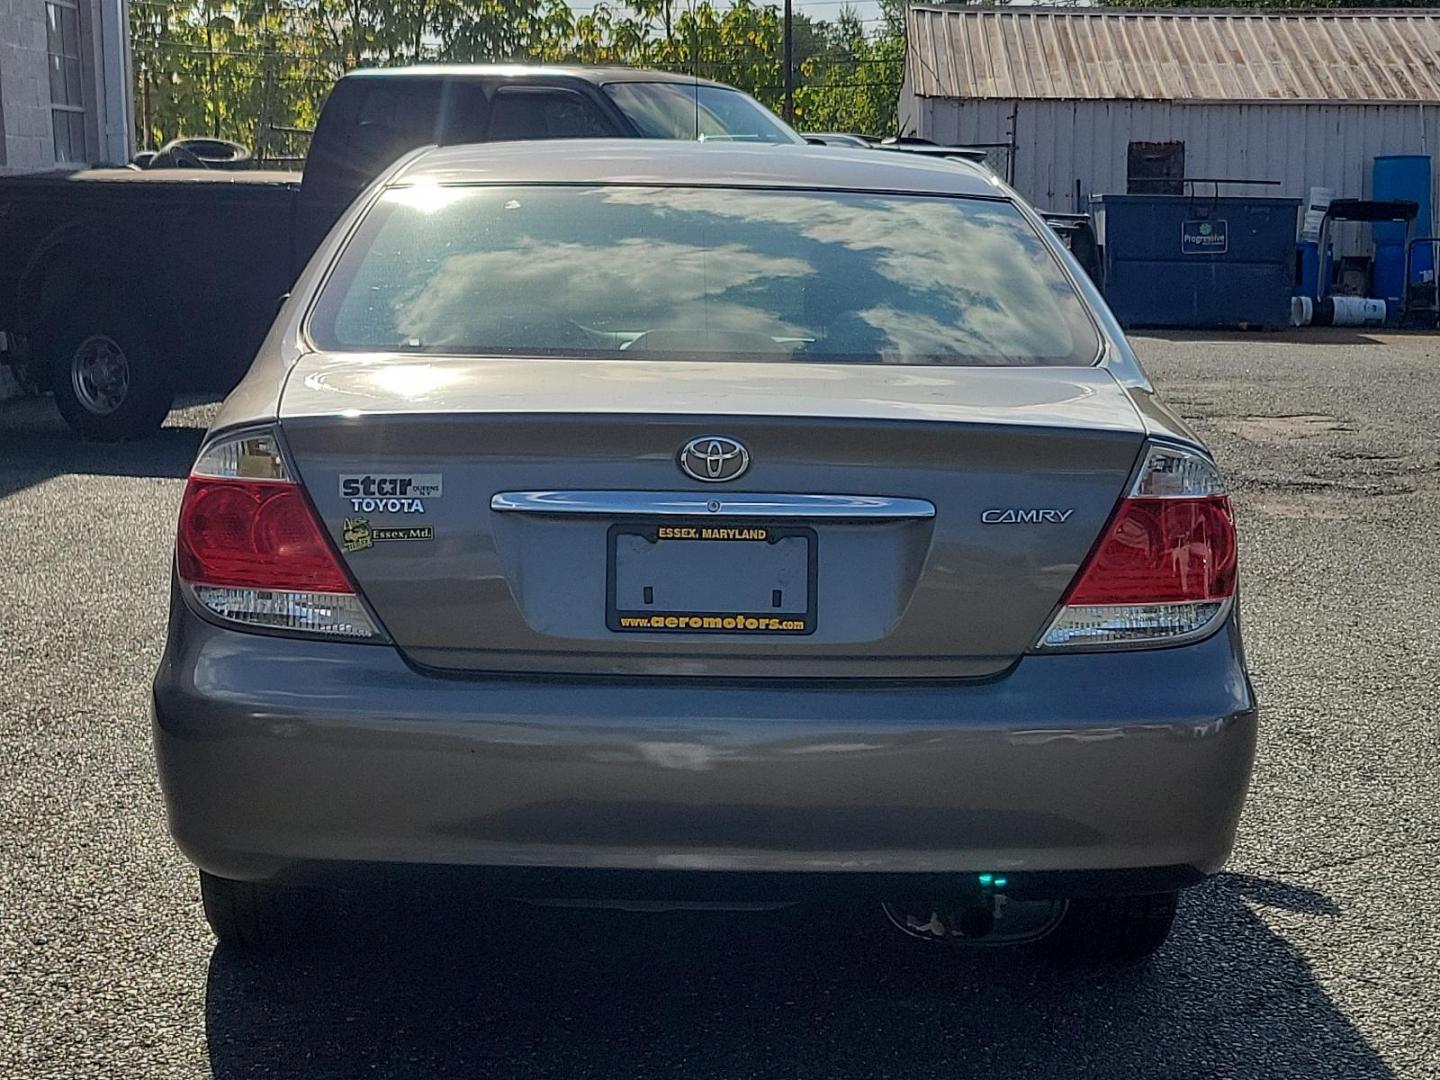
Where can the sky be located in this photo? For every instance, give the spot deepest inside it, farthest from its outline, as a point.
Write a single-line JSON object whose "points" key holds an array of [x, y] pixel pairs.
{"points": [[827, 9]]}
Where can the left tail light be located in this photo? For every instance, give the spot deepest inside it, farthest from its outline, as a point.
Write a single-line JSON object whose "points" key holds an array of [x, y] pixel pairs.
{"points": [[251, 551], [1164, 570]]}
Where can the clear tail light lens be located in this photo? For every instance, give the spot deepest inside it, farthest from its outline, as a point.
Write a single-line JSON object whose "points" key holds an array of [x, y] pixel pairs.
{"points": [[250, 550], [1165, 568]]}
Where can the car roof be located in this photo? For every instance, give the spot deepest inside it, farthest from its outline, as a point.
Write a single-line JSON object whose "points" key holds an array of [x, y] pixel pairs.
{"points": [[682, 163], [590, 73]]}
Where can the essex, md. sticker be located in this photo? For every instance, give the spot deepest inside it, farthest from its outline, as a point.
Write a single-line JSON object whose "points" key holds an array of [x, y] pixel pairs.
{"points": [[359, 534], [389, 493]]}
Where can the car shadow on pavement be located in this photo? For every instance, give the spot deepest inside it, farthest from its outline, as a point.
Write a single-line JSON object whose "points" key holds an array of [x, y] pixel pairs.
{"points": [[511, 989], [35, 445]]}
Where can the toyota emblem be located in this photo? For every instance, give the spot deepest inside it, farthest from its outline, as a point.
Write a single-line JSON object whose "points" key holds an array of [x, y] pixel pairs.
{"points": [[714, 458]]}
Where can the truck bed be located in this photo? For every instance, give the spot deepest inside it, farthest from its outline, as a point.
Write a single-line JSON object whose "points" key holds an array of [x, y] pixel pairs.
{"points": [[162, 177], [202, 255]]}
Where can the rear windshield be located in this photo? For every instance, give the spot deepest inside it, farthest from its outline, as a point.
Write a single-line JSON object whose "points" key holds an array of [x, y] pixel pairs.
{"points": [[667, 110], [701, 273]]}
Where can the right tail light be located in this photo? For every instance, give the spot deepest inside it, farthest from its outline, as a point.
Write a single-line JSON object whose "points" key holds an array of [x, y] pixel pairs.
{"points": [[1164, 568]]}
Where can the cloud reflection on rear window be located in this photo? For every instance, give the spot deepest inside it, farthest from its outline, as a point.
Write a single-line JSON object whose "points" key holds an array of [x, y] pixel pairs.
{"points": [[704, 273]]}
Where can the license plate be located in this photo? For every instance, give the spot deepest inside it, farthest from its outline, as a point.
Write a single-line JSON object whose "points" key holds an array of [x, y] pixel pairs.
{"points": [[711, 578]]}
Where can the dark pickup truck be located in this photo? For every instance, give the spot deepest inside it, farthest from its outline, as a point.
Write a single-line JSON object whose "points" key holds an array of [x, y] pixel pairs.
{"points": [[118, 286]]}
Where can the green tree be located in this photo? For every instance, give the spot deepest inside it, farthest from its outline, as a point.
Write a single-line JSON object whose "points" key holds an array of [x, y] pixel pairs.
{"points": [[853, 82], [249, 69], [229, 70]]}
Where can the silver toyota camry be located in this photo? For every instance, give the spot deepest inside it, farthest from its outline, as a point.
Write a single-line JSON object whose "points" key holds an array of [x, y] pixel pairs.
{"points": [[618, 521]]}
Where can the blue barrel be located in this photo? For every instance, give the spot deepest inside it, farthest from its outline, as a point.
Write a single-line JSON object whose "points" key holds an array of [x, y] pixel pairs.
{"points": [[1401, 176], [1308, 252]]}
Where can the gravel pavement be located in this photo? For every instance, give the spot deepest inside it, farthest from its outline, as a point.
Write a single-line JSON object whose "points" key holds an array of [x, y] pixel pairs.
{"points": [[1316, 955]]}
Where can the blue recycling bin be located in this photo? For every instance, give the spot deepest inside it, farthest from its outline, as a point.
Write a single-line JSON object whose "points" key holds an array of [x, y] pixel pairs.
{"points": [[1188, 261]]}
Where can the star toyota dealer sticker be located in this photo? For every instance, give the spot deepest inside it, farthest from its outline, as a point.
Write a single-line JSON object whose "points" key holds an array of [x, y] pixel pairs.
{"points": [[390, 493]]}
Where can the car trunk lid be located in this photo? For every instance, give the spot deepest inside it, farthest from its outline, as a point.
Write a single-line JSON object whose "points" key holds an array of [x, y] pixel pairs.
{"points": [[505, 515]]}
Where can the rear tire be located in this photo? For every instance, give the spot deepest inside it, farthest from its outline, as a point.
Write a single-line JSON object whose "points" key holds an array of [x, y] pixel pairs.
{"points": [[1113, 930], [109, 381], [259, 916]]}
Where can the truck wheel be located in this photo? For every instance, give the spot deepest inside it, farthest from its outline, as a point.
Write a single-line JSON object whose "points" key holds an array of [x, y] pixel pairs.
{"points": [[1113, 930], [108, 380], [260, 916]]}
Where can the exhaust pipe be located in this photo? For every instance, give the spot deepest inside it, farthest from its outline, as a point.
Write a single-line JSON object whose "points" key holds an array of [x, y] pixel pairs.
{"points": [[990, 920]]}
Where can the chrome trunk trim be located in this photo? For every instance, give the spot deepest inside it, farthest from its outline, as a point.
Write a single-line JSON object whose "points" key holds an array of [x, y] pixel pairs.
{"points": [[705, 504]]}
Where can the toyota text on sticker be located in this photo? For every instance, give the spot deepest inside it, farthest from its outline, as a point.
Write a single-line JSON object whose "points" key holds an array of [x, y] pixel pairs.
{"points": [[372, 493]]}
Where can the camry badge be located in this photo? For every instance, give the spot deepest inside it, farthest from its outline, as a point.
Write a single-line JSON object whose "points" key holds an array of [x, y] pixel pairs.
{"points": [[1017, 516], [714, 458]]}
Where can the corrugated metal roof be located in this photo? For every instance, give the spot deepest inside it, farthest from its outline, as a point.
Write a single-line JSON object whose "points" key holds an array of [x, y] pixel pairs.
{"points": [[1139, 54]]}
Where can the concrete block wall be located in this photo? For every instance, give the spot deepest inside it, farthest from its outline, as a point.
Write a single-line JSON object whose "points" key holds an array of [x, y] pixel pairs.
{"points": [[26, 140], [25, 88], [26, 137]]}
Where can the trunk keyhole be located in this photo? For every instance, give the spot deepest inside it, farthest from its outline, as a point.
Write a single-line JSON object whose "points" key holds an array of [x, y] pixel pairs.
{"points": [[775, 598], [649, 594]]}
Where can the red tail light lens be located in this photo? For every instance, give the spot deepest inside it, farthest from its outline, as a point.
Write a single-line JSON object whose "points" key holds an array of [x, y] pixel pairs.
{"points": [[254, 534], [1162, 551], [251, 551], [1165, 567]]}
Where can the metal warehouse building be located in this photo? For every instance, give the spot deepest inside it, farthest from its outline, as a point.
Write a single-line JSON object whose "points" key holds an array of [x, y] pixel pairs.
{"points": [[1080, 101]]}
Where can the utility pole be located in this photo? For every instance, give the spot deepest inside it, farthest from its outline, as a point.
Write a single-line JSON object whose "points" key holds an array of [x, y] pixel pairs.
{"points": [[146, 140], [789, 65], [212, 104], [265, 126]]}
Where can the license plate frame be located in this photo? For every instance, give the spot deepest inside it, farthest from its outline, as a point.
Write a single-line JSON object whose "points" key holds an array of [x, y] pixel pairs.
{"points": [[708, 620]]}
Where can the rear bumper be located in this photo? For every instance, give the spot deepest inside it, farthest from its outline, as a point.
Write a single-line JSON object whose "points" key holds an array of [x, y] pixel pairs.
{"points": [[1093, 773]]}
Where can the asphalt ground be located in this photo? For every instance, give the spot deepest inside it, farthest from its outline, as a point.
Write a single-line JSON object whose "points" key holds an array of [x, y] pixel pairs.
{"points": [[1316, 955]]}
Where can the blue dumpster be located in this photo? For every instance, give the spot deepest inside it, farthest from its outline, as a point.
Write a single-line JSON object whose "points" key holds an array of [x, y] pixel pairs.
{"points": [[1178, 260]]}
